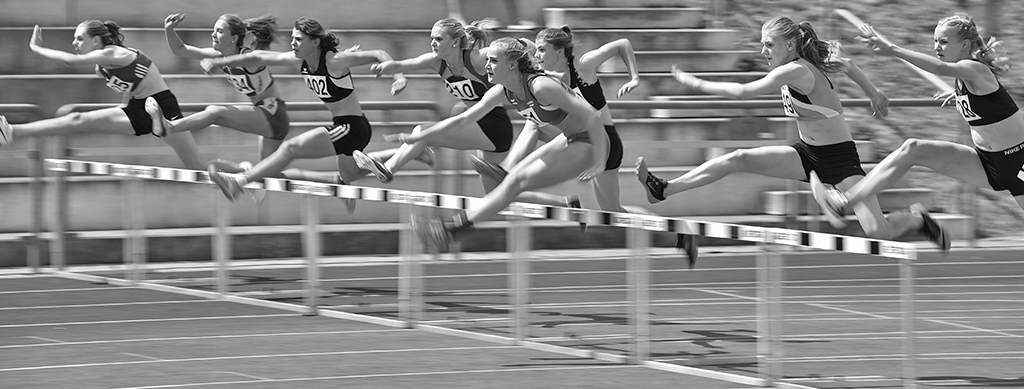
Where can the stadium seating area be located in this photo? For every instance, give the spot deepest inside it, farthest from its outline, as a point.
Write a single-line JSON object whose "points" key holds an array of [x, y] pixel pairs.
{"points": [[669, 35]]}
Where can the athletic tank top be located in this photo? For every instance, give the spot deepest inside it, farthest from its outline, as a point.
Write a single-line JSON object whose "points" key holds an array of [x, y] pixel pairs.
{"points": [[461, 87], [593, 93], [821, 103], [127, 78], [328, 88], [252, 84], [986, 109], [533, 110]]}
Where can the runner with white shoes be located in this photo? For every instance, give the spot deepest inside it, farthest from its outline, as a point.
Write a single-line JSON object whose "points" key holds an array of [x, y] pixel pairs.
{"points": [[997, 125]]}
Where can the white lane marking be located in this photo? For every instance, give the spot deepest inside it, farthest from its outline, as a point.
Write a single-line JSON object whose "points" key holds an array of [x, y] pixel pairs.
{"points": [[180, 338], [52, 341], [104, 305], [146, 357], [387, 375], [850, 311], [259, 356], [77, 323]]}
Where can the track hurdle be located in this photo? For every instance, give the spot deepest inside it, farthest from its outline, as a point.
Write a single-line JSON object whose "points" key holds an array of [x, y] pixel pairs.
{"points": [[770, 263]]}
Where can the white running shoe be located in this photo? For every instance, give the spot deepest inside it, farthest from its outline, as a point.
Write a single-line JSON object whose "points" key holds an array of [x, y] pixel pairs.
{"points": [[6, 132], [830, 199], [156, 114], [428, 156], [373, 165]]}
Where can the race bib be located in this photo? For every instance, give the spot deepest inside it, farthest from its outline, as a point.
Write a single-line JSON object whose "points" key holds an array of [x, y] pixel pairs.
{"points": [[119, 85], [462, 89], [318, 84], [963, 105], [787, 102], [241, 82]]}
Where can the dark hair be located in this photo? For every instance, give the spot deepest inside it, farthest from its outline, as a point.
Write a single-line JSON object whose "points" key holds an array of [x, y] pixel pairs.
{"points": [[474, 36], [262, 29], [236, 27], [559, 38], [818, 52], [967, 30], [313, 29], [517, 52], [108, 31]]}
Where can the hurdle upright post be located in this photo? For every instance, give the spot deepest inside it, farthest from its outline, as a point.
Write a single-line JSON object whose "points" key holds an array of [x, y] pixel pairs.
{"points": [[221, 239], [311, 216], [907, 323], [132, 217], [639, 241], [518, 242], [36, 170]]}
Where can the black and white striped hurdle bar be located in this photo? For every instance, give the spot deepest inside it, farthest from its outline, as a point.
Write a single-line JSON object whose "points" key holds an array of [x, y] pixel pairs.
{"points": [[817, 240]]}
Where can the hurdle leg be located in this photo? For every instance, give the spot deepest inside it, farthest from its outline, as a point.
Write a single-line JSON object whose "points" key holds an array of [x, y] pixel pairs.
{"points": [[221, 240], [134, 243], [519, 276], [907, 323], [311, 215], [639, 242]]}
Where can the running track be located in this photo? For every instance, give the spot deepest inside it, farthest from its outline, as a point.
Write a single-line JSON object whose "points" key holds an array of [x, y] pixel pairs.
{"points": [[842, 318]]}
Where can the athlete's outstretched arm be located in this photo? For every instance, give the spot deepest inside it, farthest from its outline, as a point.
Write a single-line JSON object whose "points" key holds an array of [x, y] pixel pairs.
{"points": [[178, 47], [624, 49], [775, 79], [879, 101]]}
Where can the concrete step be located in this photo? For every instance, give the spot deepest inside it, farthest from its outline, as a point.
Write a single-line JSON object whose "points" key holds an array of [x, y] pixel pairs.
{"points": [[689, 60], [625, 17], [658, 39], [776, 202], [406, 43], [52, 91], [203, 13]]}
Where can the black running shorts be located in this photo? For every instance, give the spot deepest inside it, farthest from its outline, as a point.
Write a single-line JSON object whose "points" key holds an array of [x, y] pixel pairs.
{"points": [[141, 122], [1004, 168], [834, 162]]}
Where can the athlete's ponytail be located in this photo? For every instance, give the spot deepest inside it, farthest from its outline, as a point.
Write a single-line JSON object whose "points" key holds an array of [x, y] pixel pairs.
{"points": [[108, 31]]}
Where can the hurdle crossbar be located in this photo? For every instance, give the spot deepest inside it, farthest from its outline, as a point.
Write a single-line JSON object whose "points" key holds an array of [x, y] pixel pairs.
{"points": [[769, 285]]}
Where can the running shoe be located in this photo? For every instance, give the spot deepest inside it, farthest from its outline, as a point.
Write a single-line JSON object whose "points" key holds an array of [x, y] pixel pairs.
{"points": [[654, 187], [6, 132], [573, 201], [227, 184], [487, 169], [431, 231], [688, 244], [931, 229], [161, 127], [373, 165], [831, 200], [428, 156]]}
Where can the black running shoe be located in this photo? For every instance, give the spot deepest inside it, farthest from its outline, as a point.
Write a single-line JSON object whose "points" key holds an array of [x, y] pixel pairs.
{"points": [[688, 244], [373, 165], [487, 169], [931, 229], [654, 187], [831, 200], [573, 201], [431, 231]]}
